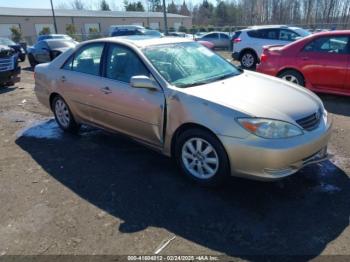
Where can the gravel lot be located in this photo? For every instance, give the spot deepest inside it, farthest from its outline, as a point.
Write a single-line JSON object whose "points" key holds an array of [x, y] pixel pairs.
{"points": [[101, 193]]}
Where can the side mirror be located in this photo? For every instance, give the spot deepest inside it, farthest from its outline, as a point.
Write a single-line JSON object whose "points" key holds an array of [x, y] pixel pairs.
{"points": [[143, 82]]}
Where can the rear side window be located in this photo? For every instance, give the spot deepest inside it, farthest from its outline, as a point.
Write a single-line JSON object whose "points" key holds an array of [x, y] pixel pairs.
{"points": [[86, 60], [335, 45], [272, 34], [214, 35]]}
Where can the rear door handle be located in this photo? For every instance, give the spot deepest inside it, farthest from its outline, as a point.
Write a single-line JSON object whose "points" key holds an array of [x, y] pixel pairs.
{"points": [[106, 90]]}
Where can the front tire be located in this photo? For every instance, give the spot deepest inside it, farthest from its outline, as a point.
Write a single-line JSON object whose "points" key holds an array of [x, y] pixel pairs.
{"points": [[202, 158], [64, 116], [293, 76]]}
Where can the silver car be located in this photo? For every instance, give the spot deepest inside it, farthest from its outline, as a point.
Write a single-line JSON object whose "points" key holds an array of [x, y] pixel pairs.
{"points": [[183, 100]]}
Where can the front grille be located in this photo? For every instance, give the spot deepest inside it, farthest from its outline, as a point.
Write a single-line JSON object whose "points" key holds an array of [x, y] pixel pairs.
{"points": [[7, 64], [310, 122]]}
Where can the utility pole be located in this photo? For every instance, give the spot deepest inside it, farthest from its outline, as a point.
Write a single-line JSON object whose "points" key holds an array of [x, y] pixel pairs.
{"points": [[165, 19], [54, 17]]}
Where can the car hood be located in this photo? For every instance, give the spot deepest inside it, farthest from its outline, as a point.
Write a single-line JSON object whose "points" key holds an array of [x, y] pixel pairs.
{"points": [[258, 95]]}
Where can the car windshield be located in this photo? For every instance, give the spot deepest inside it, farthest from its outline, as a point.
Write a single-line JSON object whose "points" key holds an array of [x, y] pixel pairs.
{"points": [[60, 43], [189, 64], [6, 41]]}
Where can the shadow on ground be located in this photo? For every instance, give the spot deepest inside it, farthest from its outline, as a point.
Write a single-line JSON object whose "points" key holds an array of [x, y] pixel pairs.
{"points": [[298, 216], [339, 105]]}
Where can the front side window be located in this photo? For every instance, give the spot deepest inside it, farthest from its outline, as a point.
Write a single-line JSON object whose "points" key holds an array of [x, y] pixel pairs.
{"points": [[87, 60], [189, 64], [288, 35], [122, 64], [335, 45]]}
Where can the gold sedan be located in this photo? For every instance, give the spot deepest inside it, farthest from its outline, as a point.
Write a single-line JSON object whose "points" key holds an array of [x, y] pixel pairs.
{"points": [[185, 101]]}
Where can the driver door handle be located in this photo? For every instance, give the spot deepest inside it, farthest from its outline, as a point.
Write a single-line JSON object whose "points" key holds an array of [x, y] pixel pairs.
{"points": [[106, 90]]}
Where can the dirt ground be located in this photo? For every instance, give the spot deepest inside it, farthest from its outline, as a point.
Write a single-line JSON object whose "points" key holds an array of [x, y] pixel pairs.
{"points": [[100, 193]]}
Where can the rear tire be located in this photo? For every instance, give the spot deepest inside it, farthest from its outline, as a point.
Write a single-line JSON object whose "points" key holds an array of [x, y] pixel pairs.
{"points": [[202, 158], [293, 76], [63, 115], [248, 60]]}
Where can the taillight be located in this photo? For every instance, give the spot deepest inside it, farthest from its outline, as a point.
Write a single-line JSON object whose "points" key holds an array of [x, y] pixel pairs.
{"points": [[263, 58], [237, 40]]}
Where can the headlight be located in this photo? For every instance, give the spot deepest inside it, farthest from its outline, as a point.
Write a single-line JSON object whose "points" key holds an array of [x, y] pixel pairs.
{"points": [[268, 128], [22, 50]]}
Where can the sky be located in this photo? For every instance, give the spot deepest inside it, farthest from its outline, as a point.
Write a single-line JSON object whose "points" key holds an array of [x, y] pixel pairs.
{"points": [[115, 4]]}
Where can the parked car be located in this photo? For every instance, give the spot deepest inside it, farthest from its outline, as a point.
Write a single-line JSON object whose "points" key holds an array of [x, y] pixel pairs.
{"points": [[177, 34], [114, 28], [46, 50], [248, 43], [320, 62], [219, 39], [137, 31], [17, 47], [186, 101], [9, 69], [53, 36]]}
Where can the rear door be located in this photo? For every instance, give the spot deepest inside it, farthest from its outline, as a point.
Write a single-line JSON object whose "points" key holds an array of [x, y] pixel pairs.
{"points": [[263, 37], [80, 78], [324, 62]]}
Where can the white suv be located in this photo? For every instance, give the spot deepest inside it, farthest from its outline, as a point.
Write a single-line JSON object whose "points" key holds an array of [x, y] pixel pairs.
{"points": [[248, 43]]}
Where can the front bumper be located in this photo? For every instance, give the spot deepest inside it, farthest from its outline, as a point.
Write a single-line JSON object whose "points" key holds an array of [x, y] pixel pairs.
{"points": [[10, 76], [267, 159]]}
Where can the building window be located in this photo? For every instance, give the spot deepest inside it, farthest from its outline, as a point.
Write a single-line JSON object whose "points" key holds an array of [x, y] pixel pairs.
{"points": [[5, 29], [92, 28], [44, 29]]}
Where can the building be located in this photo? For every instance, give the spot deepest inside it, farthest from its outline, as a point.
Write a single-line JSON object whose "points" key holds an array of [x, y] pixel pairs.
{"points": [[32, 21]]}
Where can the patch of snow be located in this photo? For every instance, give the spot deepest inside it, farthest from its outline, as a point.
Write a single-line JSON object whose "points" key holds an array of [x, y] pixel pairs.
{"points": [[48, 129]]}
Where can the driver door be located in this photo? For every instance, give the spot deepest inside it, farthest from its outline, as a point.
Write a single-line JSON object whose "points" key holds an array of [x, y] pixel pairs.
{"points": [[138, 112]]}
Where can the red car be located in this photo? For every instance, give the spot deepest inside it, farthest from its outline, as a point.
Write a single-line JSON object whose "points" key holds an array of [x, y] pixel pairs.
{"points": [[319, 62]]}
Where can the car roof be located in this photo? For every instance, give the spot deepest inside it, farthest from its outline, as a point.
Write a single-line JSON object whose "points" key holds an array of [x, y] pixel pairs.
{"points": [[142, 41]]}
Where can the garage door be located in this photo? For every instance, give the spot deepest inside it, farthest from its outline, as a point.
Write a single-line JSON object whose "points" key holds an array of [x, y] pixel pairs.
{"points": [[5, 29]]}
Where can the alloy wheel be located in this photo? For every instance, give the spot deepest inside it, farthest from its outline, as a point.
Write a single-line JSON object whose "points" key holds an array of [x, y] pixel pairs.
{"points": [[291, 78], [62, 113], [200, 158]]}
